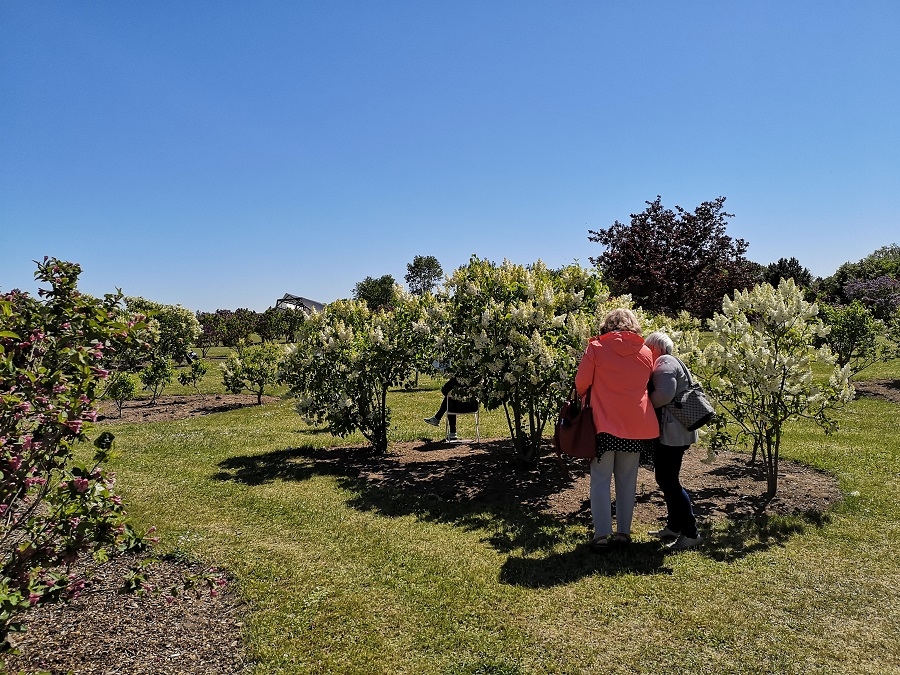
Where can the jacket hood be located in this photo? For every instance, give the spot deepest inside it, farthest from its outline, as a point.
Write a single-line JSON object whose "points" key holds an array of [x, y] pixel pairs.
{"points": [[623, 343]]}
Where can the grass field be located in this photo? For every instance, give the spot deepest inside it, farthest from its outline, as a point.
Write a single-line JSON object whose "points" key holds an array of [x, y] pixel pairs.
{"points": [[333, 585]]}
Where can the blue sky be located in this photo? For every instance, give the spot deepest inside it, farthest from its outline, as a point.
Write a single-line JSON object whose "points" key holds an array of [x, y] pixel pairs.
{"points": [[220, 154]]}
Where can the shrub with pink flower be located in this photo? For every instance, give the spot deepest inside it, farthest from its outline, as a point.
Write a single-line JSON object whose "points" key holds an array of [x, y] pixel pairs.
{"points": [[51, 366]]}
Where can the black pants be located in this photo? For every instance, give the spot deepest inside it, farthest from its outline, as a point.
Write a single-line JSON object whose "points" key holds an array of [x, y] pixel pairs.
{"points": [[455, 405], [667, 465]]}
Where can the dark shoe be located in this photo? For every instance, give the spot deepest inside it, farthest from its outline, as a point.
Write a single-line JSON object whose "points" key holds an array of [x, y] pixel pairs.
{"points": [[601, 544], [433, 421], [621, 539]]}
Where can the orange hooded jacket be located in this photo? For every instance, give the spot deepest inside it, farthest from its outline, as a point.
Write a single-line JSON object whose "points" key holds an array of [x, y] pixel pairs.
{"points": [[617, 367]]}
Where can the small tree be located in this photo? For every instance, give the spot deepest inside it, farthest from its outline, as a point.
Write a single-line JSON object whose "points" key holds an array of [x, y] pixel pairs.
{"points": [[759, 368], [157, 375], [254, 369], [122, 387], [422, 274], [346, 359], [193, 375], [377, 293]]}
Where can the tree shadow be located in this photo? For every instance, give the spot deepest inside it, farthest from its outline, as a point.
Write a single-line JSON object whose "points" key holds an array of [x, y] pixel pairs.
{"points": [[481, 488], [739, 538]]}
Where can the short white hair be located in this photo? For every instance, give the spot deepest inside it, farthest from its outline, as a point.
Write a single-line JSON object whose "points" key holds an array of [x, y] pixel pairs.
{"points": [[659, 340]]}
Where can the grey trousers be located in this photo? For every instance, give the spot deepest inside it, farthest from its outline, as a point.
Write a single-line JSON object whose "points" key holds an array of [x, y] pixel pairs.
{"points": [[624, 466]]}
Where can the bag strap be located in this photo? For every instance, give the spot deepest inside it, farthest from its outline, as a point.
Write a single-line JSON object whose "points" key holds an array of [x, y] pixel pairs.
{"points": [[687, 371]]}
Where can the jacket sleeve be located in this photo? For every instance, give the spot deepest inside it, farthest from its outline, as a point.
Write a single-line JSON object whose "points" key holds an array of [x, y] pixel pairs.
{"points": [[584, 376], [665, 381]]}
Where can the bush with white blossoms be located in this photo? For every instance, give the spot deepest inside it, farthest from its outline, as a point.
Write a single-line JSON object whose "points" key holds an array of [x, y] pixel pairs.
{"points": [[346, 359], [254, 369], [759, 369], [513, 336]]}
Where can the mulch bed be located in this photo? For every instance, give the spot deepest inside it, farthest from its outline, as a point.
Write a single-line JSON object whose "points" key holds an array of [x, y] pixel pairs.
{"points": [[106, 632]]}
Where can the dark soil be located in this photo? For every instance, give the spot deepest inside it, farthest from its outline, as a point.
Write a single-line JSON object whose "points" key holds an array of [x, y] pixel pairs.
{"points": [[106, 632], [169, 408], [887, 389]]}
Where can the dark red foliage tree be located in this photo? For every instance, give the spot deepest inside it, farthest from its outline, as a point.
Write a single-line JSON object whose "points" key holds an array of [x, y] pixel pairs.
{"points": [[670, 261]]}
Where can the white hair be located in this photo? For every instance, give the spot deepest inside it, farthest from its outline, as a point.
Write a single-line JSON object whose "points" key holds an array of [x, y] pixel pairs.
{"points": [[659, 340]]}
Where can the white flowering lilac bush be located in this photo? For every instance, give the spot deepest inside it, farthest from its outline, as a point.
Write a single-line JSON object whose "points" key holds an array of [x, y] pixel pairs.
{"points": [[254, 368], [346, 359], [759, 369], [513, 336]]}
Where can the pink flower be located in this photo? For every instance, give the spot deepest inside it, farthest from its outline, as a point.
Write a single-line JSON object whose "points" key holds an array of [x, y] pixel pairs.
{"points": [[34, 599], [100, 372], [80, 484], [15, 462], [75, 426]]}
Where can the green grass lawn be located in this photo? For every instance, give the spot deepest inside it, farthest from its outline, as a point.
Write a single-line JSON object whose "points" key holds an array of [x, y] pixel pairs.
{"points": [[334, 585]]}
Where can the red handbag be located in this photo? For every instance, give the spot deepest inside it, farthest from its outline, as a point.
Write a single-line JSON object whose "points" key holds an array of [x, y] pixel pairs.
{"points": [[574, 434]]}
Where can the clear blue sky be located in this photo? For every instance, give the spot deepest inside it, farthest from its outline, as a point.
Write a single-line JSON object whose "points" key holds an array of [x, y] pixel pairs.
{"points": [[219, 154]]}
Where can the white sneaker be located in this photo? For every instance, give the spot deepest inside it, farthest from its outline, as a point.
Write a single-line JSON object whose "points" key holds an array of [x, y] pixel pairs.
{"points": [[433, 421], [664, 533], [683, 543], [451, 437]]}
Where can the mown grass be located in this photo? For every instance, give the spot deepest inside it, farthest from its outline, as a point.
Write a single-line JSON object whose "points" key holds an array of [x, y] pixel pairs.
{"points": [[344, 576]]}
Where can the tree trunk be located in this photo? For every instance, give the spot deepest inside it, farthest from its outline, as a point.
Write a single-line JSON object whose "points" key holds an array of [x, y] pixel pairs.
{"points": [[380, 444], [771, 462]]}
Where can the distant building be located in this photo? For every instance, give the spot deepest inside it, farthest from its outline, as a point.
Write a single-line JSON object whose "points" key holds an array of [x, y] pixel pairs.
{"points": [[306, 305]]}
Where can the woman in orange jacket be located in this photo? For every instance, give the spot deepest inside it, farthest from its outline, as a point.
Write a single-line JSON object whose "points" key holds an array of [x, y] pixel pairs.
{"points": [[616, 367]]}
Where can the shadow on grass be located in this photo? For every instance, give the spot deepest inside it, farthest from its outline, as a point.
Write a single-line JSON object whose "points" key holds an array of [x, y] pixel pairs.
{"points": [[736, 539], [484, 491], [558, 569]]}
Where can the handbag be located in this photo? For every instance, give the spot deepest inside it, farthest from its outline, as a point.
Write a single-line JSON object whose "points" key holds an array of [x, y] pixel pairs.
{"points": [[690, 406], [574, 434]]}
